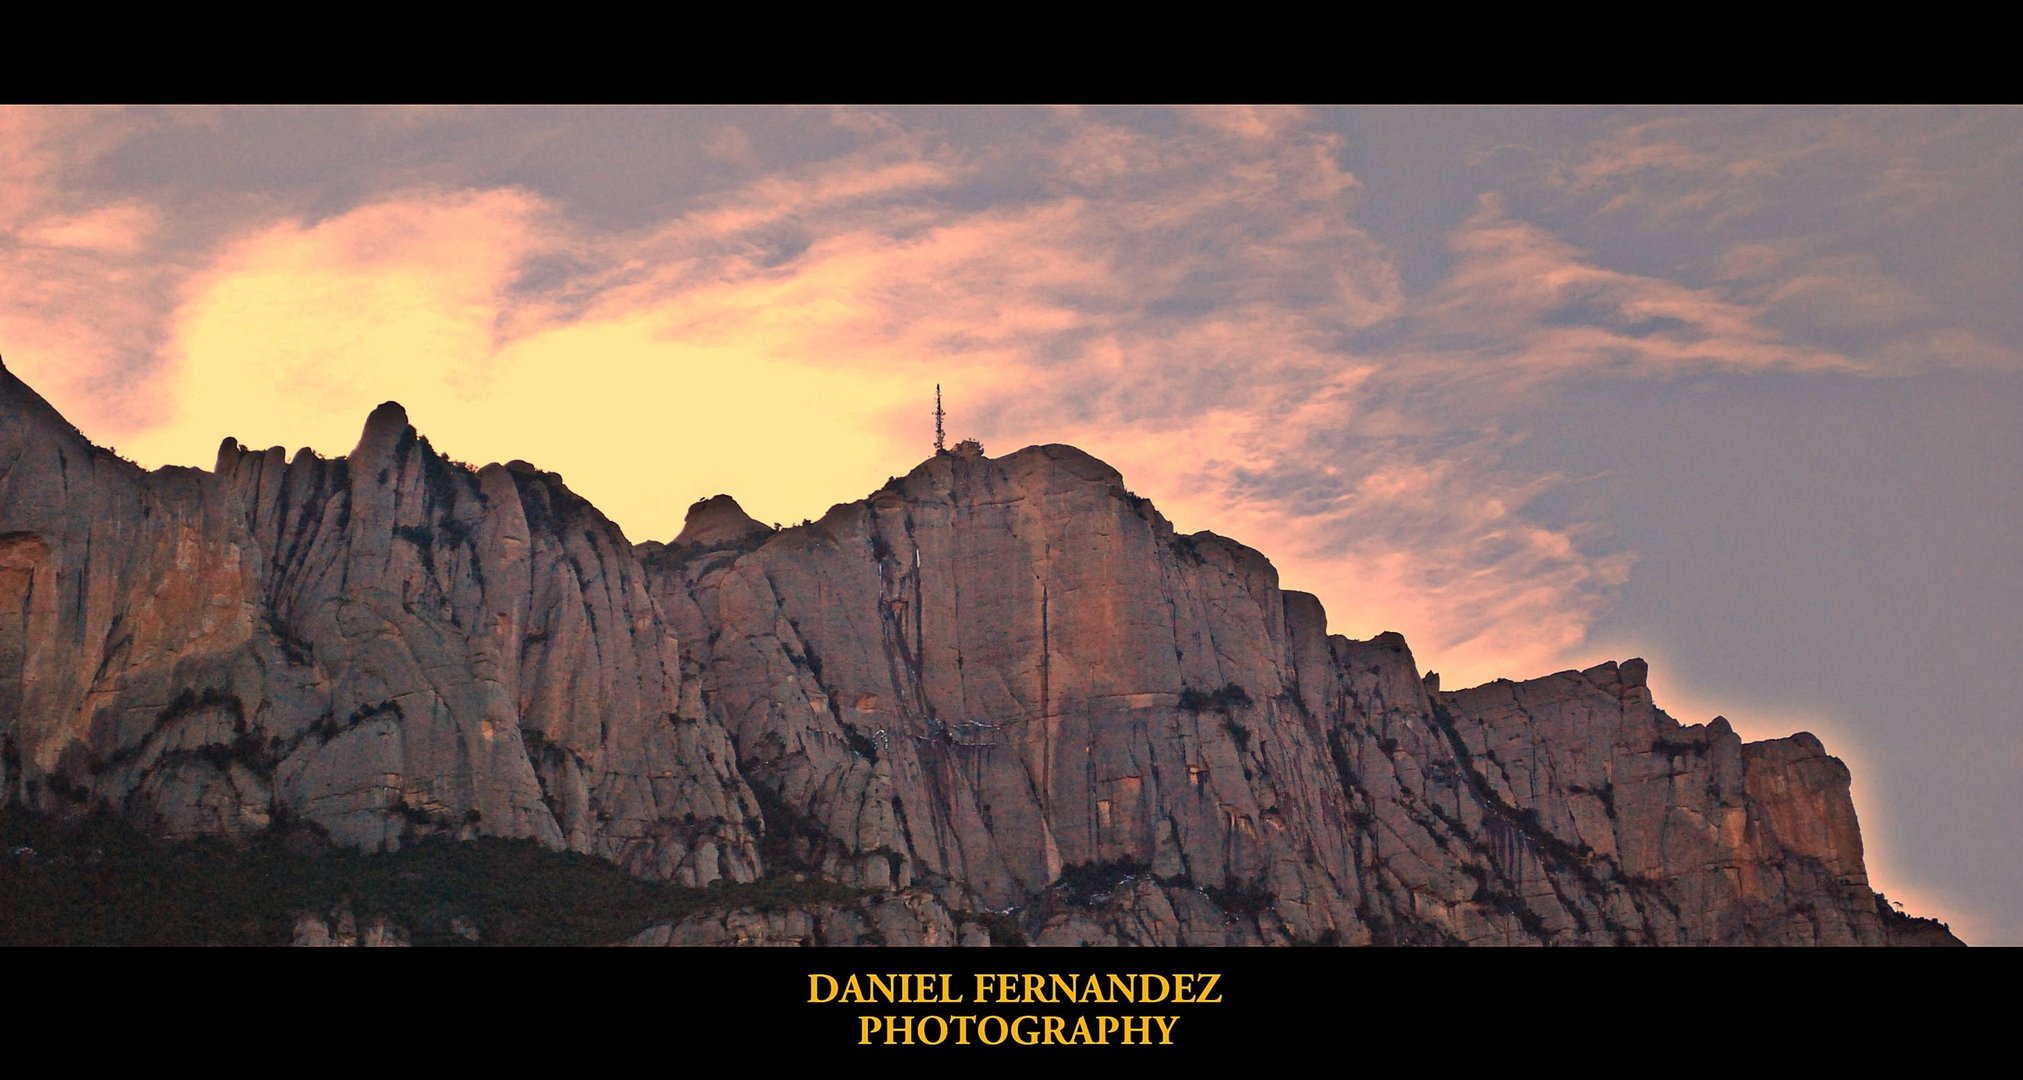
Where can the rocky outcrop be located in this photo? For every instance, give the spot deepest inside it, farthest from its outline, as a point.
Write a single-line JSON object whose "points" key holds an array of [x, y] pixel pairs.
{"points": [[1908, 931], [906, 917], [994, 673], [340, 929], [378, 648], [1000, 686]]}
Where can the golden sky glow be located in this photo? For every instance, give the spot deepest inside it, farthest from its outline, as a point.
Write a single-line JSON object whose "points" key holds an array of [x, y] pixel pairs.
{"points": [[1401, 352], [1177, 304]]}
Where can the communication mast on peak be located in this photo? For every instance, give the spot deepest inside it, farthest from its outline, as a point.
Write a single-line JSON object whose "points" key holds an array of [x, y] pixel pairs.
{"points": [[939, 437]]}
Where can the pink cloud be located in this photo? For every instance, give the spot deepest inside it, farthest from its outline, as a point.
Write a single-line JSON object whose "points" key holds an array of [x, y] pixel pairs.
{"points": [[1541, 307], [730, 143], [1634, 149], [1687, 166], [297, 328], [121, 229], [774, 199], [1250, 123], [1178, 305], [86, 294], [1201, 308]]}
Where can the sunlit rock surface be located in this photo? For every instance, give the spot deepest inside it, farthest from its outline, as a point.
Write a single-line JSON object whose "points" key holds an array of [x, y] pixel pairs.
{"points": [[997, 686]]}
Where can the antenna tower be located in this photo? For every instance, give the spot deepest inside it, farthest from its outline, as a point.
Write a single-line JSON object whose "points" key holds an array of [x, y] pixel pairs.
{"points": [[938, 414]]}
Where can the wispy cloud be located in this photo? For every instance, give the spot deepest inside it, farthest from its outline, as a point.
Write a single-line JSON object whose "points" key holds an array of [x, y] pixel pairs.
{"points": [[86, 292], [1338, 370], [1674, 168], [1861, 231], [1186, 304], [1198, 303], [289, 330], [1522, 303]]}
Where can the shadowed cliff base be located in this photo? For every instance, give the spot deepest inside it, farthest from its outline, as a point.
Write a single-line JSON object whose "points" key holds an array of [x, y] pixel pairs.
{"points": [[1000, 686]]}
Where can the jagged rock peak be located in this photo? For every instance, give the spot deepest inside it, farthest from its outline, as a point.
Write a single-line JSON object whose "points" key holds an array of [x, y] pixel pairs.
{"points": [[17, 395], [1635, 671], [384, 427], [719, 520], [998, 685]]}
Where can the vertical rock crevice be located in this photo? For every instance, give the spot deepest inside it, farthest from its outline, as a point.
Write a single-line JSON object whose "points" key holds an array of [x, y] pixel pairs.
{"points": [[1002, 683]]}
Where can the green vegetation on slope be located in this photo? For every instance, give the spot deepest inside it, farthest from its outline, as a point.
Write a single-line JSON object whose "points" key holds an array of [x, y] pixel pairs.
{"points": [[99, 882]]}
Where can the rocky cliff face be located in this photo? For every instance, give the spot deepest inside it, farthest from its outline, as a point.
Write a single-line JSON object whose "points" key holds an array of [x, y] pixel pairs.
{"points": [[1000, 686], [382, 647]]}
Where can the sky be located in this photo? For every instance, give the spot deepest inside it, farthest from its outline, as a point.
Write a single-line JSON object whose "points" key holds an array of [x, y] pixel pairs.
{"points": [[1735, 390]]}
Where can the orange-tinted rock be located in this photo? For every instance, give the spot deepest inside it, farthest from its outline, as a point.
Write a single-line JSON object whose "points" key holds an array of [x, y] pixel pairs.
{"points": [[380, 647], [999, 690]]}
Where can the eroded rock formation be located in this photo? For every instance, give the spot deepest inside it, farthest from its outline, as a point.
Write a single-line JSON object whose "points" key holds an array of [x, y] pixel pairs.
{"points": [[1001, 686], [383, 647]]}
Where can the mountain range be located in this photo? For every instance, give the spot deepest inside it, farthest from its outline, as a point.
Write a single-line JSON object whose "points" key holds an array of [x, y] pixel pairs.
{"points": [[998, 700]]}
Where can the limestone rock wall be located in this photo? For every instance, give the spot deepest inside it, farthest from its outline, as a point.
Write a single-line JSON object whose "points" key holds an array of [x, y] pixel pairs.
{"points": [[994, 673], [379, 647], [1001, 686]]}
